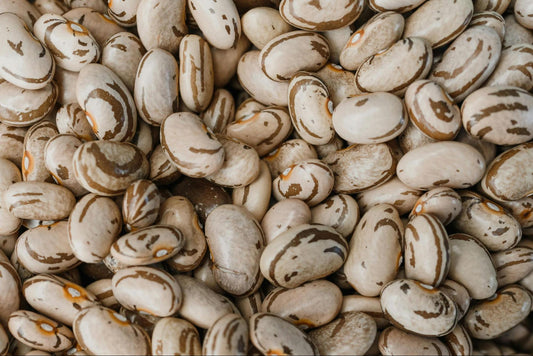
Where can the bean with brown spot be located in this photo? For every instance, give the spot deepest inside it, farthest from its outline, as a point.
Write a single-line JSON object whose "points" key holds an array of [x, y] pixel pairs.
{"points": [[57, 297], [220, 112], [289, 260], [443, 203], [291, 52], [255, 197], [40, 332], [458, 293], [394, 341], [107, 167], [162, 171], [488, 222], [361, 167], [91, 242], [262, 24], [401, 6], [71, 119], [321, 16], [103, 291], [418, 308], [33, 162], [310, 181], [140, 205], [283, 215], [95, 324], [100, 26], [523, 12], [148, 245], [10, 291], [123, 12], [513, 265], [375, 250], [12, 143], [289, 153], [341, 212], [164, 341], [229, 335], [493, 317], [491, 19], [393, 192], [273, 335], [376, 35], [514, 67]]}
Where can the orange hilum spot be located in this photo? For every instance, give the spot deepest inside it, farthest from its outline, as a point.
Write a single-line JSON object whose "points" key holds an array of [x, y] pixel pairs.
{"points": [[285, 175], [119, 319], [92, 122], [249, 117], [27, 163], [46, 328], [161, 252], [492, 206], [329, 107], [76, 28], [275, 352], [356, 37], [418, 208], [73, 293]]}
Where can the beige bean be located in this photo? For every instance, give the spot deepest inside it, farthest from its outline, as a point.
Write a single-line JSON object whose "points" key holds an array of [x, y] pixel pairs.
{"points": [[504, 177], [101, 330], [71, 119], [147, 290], [513, 265], [310, 181], [289, 153], [219, 21], [432, 110], [103, 291], [351, 333], [488, 222], [9, 224], [201, 306], [164, 341], [491, 19], [240, 166], [225, 61], [273, 335], [249, 305], [426, 250], [101, 27], [522, 210], [375, 250], [283, 215], [161, 24], [190, 145], [418, 308], [256, 83], [45, 249], [4, 341], [57, 297], [91, 242], [327, 15], [9, 174], [376, 35], [33, 163], [459, 342], [393, 192], [458, 294], [204, 273], [523, 12], [156, 86], [504, 121], [299, 305], [392, 5], [23, 9], [264, 130], [148, 245], [311, 108], [58, 154], [289, 260], [233, 233], [71, 44], [107, 103], [97, 5], [20, 107], [12, 143], [445, 164], [394, 341], [51, 6], [108, 167], [487, 149], [262, 24], [361, 167], [144, 320], [122, 53], [255, 197], [493, 317], [448, 18], [341, 212], [291, 52], [340, 82], [386, 112], [40, 332], [227, 336], [472, 266], [443, 203], [220, 112], [38, 200], [123, 12], [380, 72], [10, 291], [196, 78], [468, 61], [162, 171], [24, 61], [140, 205], [179, 212]]}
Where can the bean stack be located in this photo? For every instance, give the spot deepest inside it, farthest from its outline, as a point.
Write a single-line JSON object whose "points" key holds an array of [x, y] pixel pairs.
{"points": [[266, 177]]}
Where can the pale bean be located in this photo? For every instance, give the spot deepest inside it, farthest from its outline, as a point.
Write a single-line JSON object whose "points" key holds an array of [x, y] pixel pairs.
{"points": [[327, 15], [229, 335], [283, 215], [164, 341]]}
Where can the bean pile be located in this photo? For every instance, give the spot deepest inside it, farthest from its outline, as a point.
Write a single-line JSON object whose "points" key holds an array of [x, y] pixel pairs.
{"points": [[266, 177]]}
